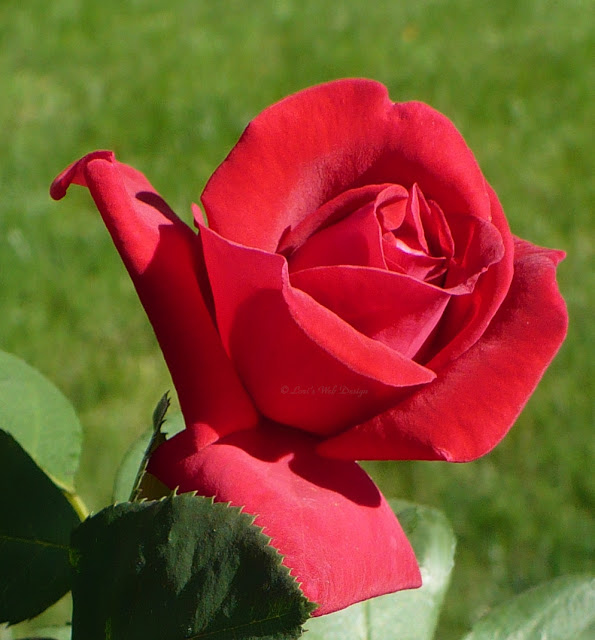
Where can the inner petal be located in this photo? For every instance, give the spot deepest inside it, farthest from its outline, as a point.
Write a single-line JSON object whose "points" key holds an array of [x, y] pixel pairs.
{"points": [[391, 207], [329, 213], [478, 244], [437, 233], [392, 308], [402, 216], [402, 259], [356, 239]]}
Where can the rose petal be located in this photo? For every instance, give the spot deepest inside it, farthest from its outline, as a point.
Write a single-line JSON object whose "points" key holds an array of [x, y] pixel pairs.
{"points": [[405, 224], [329, 213], [438, 235], [404, 219], [335, 530], [302, 364], [354, 240], [478, 245], [309, 148], [162, 256], [395, 309], [416, 265], [467, 316], [469, 408]]}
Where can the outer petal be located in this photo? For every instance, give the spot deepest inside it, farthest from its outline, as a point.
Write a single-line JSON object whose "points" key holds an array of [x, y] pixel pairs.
{"points": [[469, 408], [336, 531], [303, 365], [162, 256], [314, 145]]}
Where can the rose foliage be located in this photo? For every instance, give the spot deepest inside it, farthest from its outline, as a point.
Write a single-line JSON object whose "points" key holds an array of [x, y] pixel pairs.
{"points": [[357, 294]]}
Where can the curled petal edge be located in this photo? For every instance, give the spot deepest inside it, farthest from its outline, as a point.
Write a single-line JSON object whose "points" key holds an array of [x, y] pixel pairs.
{"points": [[162, 256]]}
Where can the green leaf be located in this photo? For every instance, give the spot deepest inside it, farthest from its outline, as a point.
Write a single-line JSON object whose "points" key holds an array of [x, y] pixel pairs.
{"points": [[181, 567], [560, 609], [126, 485], [35, 529], [38, 415], [405, 615]]}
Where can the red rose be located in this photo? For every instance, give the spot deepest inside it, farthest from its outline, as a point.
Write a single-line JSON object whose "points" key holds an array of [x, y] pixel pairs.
{"points": [[357, 295]]}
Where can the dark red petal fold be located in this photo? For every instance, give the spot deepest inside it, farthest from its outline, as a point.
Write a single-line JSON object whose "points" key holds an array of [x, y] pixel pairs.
{"points": [[311, 147], [469, 408], [302, 364], [334, 528], [162, 256]]}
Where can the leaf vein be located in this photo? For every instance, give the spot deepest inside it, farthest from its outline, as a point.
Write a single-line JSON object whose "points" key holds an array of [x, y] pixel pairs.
{"points": [[41, 543]]}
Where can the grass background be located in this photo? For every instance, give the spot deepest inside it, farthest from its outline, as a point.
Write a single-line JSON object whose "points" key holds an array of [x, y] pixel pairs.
{"points": [[170, 86]]}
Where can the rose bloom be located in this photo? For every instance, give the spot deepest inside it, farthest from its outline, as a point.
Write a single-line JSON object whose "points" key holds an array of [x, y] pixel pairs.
{"points": [[357, 294]]}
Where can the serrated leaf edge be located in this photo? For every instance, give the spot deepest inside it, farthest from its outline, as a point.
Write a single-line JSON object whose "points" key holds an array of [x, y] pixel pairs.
{"points": [[312, 606], [308, 605], [261, 530], [252, 518]]}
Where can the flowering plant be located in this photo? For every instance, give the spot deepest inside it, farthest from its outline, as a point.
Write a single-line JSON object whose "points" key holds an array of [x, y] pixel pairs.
{"points": [[355, 293]]}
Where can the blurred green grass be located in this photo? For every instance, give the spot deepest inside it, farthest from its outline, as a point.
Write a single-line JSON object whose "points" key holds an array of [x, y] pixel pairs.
{"points": [[170, 88]]}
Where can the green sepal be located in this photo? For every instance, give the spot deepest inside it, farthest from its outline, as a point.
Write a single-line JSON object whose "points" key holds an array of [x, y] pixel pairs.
{"points": [[35, 527], [181, 567], [131, 473], [157, 438]]}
